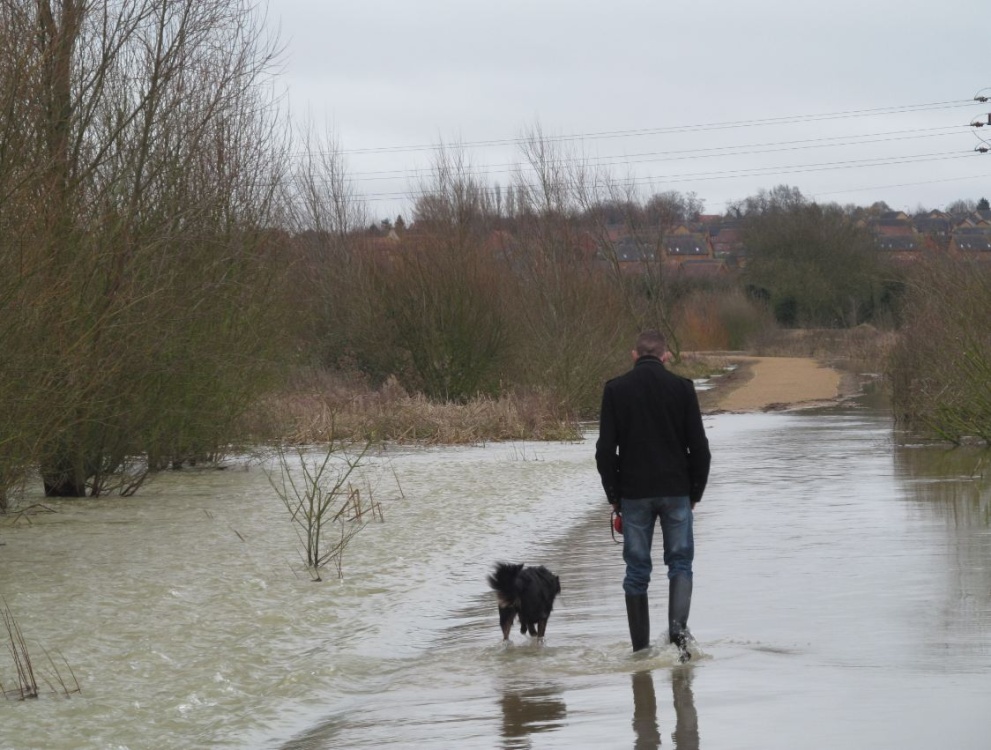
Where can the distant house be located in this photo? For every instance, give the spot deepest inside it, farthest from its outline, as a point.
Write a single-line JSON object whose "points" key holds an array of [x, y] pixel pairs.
{"points": [[676, 250], [970, 237], [726, 238], [971, 242], [626, 253], [692, 254], [900, 242], [633, 250], [682, 242], [896, 234], [935, 227], [893, 216]]}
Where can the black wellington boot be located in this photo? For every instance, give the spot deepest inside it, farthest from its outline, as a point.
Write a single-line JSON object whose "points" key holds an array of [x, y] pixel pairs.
{"points": [[679, 604], [638, 613]]}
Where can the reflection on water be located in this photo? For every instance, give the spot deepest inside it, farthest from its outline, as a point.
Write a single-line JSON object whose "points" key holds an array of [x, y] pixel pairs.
{"points": [[952, 489], [647, 725], [686, 729], [645, 728], [955, 483], [529, 711], [842, 582]]}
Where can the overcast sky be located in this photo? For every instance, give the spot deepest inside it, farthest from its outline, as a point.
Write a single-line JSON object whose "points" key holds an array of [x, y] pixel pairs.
{"points": [[873, 99]]}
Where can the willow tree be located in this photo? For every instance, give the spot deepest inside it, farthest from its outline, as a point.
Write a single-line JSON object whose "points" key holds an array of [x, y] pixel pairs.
{"points": [[812, 262], [139, 170], [443, 288]]}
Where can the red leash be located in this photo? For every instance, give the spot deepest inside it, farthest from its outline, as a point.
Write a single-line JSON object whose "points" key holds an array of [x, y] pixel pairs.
{"points": [[616, 526]]}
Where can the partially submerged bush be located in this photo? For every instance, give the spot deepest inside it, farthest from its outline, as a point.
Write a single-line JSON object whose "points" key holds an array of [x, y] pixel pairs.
{"points": [[940, 369], [325, 506]]}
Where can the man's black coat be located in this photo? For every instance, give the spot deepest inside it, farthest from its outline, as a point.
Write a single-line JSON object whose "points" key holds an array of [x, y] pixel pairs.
{"points": [[651, 439]]}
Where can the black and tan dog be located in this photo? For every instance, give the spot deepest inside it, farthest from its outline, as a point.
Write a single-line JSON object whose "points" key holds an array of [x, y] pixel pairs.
{"points": [[526, 591]]}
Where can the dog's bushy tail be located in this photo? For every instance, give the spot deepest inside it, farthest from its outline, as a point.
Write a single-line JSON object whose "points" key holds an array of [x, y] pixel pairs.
{"points": [[503, 580]]}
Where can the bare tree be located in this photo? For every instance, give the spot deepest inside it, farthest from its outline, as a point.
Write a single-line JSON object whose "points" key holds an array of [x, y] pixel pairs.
{"points": [[327, 198], [141, 196], [564, 305]]}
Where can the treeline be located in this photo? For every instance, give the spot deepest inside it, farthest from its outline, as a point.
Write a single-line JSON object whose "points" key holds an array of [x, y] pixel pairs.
{"points": [[494, 291], [484, 297], [165, 262]]}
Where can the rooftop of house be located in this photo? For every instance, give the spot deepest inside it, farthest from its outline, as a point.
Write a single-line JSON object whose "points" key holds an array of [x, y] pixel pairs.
{"points": [[899, 243], [882, 224], [899, 229], [893, 216], [938, 224], [971, 244], [629, 250], [726, 230], [691, 244]]}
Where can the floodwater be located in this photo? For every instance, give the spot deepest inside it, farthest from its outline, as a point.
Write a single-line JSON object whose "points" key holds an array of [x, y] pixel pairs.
{"points": [[842, 600]]}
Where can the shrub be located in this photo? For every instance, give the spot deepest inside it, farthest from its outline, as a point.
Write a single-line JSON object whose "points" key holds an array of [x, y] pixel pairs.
{"points": [[940, 367]]}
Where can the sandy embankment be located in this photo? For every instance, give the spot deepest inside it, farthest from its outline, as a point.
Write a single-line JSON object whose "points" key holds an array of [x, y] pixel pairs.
{"points": [[773, 383]]}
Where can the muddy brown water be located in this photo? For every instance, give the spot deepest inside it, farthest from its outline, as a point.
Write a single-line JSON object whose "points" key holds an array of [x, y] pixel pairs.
{"points": [[842, 599]]}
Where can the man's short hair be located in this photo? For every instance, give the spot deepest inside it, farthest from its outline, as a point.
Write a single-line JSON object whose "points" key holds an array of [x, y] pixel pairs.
{"points": [[652, 343]]}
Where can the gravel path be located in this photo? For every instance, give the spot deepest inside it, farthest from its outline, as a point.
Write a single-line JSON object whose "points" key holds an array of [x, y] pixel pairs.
{"points": [[769, 383]]}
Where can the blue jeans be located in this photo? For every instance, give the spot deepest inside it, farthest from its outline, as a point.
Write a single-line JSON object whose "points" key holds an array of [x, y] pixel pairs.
{"points": [[639, 518]]}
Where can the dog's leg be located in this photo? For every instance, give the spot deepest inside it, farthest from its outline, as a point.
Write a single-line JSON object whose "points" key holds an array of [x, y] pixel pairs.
{"points": [[506, 617], [541, 627]]}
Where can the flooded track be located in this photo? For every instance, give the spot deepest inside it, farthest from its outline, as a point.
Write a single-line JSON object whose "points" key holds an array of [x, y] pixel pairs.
{"points": [[842, 599]]}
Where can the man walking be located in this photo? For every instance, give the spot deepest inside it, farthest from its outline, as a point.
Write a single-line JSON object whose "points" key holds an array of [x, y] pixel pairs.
{"points": [[653, 457]]}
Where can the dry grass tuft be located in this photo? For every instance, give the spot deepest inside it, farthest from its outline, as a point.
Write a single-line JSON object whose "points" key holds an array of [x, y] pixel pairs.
{"points": [[862, 349], [26, 675], [320, 407]]}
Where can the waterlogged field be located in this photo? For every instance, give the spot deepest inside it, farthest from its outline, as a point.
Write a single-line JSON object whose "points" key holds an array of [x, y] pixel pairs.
{"points": [[842, 599]]}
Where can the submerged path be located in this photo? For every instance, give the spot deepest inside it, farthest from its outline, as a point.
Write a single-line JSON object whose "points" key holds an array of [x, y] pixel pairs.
{"points": [[768, 383]]}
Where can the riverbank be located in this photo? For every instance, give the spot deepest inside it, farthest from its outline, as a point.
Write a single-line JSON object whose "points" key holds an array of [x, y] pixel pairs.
{"points": [[756, 384]]}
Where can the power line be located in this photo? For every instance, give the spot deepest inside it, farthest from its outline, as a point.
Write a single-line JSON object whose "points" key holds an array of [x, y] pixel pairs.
{"points": [[906, 184], [725, 174], [679, 155], [637, 132], [645, 157]]}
